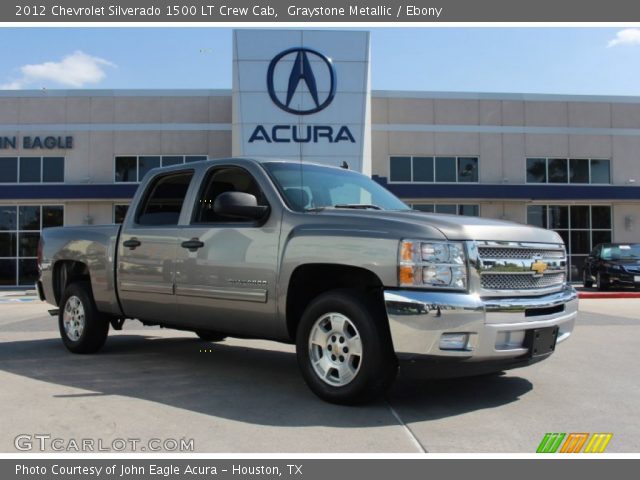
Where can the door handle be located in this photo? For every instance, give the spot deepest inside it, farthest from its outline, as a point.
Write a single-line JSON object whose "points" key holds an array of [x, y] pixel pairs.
{"points": [[192, 245], [132, 243]]}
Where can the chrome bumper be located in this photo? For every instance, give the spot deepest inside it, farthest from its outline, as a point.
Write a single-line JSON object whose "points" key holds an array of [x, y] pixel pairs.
{"points": [[496, 327]]}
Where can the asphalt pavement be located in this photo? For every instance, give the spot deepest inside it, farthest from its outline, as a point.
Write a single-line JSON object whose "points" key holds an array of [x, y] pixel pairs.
{"points": [[248, 396]]}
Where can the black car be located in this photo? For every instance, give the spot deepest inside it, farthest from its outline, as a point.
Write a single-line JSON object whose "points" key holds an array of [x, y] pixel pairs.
{"points": [[613, 264]]}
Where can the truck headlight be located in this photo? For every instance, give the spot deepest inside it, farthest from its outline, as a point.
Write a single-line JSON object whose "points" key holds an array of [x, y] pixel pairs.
{"points": [[432, 265]]}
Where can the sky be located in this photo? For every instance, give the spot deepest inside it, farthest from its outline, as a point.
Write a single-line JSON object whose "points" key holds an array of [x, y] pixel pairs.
{"points": [[564, 60]]}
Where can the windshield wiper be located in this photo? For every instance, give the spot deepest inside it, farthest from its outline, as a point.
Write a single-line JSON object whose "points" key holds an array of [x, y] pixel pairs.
{"points": [[359, 206]]}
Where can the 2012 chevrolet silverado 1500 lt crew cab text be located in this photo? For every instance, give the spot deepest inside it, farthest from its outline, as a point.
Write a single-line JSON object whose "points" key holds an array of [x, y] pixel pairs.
{"points": [[318, 256]]}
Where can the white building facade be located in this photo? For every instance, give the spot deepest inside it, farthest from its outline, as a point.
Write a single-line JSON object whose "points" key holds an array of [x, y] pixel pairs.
{"points": [[569, 163]]}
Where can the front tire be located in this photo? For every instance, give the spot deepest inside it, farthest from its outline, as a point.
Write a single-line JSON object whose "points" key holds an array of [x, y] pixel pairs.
{"points": [[344, 348], [82, 327], [586, 280], [601, 282]]}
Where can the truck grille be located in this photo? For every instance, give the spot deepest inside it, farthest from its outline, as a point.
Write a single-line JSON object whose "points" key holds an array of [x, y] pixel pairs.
{"points": [[519, 253], [501, 281], [512, 266]]}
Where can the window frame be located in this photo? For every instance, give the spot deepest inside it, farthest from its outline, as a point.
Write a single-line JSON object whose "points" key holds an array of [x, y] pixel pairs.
{"points": [[456, 204], [568, 159], [434, 157], [159, 155], [134, 222], [204, 183]]}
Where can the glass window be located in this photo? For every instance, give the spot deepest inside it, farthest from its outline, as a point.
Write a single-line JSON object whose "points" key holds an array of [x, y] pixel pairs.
{"points": [[194, 158], [30, 169], [400, 169], [27, 271], [579, 216], [164, 200], [467, 169], [8, 170], [580, 242], [172, 160], [126, 169], [578, 170], [53, 169], [145, 164], [8, 271], [600, 217], [7, 244], [537, 215], [52, 216], [600, 171], [469, 210], [29, 218], [599, 236], [234, 179], [445, 169], [558, 217], [423, 169], [8, 217], [119, 212], [564, 234], [536, 170], [445, 208], [558, 170], [28, 244], [424, 207]]}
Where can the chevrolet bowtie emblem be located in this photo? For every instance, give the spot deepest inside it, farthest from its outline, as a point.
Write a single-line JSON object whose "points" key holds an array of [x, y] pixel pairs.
{"points": [[539, 267]]}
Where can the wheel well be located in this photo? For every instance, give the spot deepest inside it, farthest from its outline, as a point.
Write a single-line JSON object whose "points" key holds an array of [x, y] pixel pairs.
{"points": [[309, 281], [66, 272]]}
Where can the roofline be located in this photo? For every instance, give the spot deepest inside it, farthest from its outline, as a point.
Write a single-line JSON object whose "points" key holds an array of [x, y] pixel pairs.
{"points": [[522, 97], [139, 92], [222, 92]]}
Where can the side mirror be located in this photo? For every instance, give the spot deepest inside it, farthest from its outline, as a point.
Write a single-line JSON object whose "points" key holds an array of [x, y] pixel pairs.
{"points": [[239, 205]]}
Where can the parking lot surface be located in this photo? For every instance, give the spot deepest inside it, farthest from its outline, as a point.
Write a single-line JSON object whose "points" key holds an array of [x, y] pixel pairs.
{"points": [[247, 395]]}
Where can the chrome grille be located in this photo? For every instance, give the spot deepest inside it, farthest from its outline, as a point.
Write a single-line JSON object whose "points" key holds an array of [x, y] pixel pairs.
{"points": [[518, 253], [519, 281], [512, 266]]}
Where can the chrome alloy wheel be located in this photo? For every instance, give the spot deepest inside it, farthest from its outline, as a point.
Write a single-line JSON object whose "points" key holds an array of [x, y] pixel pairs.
{"points": [[335, 349], [73, 318]]}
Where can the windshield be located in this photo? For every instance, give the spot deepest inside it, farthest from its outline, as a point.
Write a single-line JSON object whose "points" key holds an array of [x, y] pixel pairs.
{"points": [[312, 187], [621, 252]]}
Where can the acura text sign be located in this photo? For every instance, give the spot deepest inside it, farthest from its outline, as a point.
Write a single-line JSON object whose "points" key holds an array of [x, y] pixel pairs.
{"points": [[302, 95]]}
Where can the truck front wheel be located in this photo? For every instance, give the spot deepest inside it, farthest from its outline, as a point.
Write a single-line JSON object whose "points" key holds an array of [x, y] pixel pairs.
{"points": [[82, 327], [344, 348]]}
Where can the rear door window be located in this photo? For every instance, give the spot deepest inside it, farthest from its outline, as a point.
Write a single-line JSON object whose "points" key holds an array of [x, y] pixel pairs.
{"points": [[164, 200]]}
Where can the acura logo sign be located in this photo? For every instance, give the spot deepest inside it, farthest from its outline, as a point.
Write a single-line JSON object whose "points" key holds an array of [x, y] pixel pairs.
{"points": [[302, 75]]}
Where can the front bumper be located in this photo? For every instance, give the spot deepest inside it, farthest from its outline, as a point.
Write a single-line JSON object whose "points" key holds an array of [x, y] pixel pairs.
{"points": [[496, 327]]}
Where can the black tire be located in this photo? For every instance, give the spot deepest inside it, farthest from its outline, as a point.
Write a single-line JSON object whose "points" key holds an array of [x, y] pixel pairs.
{"points": [[95, 324], [377, 366], [210, 336], [586, 280], [602, 283]]}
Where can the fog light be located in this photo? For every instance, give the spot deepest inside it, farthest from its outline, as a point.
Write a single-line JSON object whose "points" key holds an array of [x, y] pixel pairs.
{"points": [[454, 341]]}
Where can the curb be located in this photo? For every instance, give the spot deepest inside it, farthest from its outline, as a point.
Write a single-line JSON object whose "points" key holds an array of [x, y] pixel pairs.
{"points": [[599, 295]]}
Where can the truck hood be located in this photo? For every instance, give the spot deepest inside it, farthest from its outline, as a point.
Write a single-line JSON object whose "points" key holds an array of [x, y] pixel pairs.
{"points": [[453, 227]]}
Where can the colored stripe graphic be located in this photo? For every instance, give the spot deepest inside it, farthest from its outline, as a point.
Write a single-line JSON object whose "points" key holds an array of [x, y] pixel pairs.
{"points": [[598, 442], [574, 443], [550, 443]]}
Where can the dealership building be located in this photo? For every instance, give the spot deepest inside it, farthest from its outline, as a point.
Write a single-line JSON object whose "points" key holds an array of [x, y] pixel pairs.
{"points": [[564, 162]]}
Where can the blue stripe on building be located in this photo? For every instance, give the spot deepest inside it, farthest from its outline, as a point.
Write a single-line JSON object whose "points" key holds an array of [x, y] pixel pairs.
{"points": [[511, 192], [66, 191]]}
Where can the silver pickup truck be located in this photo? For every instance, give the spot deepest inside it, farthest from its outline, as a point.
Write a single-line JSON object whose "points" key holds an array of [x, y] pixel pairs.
{"points": [[317, 256]]}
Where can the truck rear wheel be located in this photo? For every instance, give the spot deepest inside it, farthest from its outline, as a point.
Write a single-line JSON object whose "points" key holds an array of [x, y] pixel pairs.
{"points": [[82, 327], [344, 348]]}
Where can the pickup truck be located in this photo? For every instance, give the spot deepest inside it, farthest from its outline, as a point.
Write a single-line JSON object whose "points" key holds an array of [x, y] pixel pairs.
{"points": [[321, 257]]}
